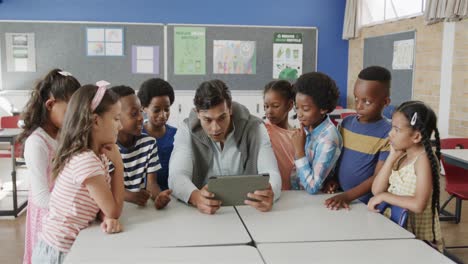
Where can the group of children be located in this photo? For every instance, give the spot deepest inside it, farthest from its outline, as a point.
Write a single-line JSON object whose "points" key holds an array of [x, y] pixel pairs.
{"points": [[86, 153], [367, 157], [88, 149]]}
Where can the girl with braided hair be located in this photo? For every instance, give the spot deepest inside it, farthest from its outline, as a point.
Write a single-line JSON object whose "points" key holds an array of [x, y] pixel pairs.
{"points": [[410, 175]]}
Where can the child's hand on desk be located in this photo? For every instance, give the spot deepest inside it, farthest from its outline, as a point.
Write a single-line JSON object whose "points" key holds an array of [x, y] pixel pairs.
{"points": [[140, 198], [264, 199], [162, 199], [110, 225], [338, 201], [374, 202]]}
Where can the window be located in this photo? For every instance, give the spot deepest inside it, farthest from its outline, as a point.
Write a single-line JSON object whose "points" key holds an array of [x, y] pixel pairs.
{"points": [[379, 11]]}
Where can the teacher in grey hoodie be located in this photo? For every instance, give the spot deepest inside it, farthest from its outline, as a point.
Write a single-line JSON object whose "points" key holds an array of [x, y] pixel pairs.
{"points": [[220, 137]]}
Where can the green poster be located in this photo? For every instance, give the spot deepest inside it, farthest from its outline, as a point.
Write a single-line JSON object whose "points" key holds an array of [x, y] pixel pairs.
{"points": [[189, 51], [292, 38], [287, 56]]}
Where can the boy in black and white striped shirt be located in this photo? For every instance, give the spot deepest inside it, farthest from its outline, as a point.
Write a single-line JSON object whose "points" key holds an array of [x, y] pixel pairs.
{"points": [[139, 154]]}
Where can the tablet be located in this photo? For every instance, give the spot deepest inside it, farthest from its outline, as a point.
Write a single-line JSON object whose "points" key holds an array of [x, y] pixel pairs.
{"points": [[233, 189]]}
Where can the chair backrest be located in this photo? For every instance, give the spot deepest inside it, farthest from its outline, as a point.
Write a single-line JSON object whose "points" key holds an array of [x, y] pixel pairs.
{"points": [[9, 121], [454, 174], [345, 114], [335, 122], [388, 111], [397, 214]]}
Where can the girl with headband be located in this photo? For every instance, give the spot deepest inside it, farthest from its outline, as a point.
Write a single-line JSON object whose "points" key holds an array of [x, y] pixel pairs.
{"points": [[83, 186]]}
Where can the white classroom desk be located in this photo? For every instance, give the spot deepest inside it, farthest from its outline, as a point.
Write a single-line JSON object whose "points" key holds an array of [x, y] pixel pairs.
{"points": [[456, 157], [208, 255], [9, 135], [396, 251], [175, 226], [300, 217]]}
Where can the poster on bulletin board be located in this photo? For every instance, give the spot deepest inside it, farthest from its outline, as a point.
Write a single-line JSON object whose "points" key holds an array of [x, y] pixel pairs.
{"points": [[234, 57], [20, 52], [287, 53], [403, 53], [189, 51], [104, 41], [145, 59]]}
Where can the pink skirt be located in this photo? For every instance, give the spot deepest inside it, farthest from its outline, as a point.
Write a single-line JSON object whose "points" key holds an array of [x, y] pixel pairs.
{"points": [[34, 216]]}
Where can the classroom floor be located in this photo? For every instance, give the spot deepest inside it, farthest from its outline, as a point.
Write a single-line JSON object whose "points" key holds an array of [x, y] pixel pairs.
{"points": [[12, 235]]}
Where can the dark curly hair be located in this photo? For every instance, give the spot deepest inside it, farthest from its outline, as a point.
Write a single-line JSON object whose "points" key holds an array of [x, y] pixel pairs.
{"points": [[155, 87], [426, 124], [210, 94], [320, 87]]}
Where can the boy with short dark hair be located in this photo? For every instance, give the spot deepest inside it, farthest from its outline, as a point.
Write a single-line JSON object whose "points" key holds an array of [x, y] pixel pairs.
{"points": [[365, 139], [139, 153], [157, 96]]}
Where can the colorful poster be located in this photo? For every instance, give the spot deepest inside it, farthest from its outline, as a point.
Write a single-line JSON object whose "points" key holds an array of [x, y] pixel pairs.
{"points": [[234, 57], [189, 51], [20, 52], [104, 41], [403, 51], [145, 59], [287, 53]]}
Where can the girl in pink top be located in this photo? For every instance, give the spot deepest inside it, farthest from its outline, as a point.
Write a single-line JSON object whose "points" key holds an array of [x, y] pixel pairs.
{"points": [[278, 99], [43, 117], [83, 186]]}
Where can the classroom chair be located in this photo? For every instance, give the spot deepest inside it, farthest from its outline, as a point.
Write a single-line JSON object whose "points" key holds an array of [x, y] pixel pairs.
{"points": [[335, 122], [11, 122], [388, 111], [397, 214], [456, 180], [343, 115]]}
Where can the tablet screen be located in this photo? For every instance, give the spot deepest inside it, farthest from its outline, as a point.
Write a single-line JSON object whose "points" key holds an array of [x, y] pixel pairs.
{"points": [[233, 189]]}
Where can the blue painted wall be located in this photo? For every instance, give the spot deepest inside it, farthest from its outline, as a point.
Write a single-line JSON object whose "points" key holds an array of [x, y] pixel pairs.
{"points": [[326, 15]]}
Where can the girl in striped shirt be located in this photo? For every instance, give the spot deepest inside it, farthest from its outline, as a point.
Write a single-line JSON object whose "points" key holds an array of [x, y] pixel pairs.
{"points": [[83, 186]]}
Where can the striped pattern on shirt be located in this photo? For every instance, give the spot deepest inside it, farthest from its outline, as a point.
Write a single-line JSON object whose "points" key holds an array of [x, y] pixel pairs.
{"points": [[71, 208], [364, 145], [139, 160]]}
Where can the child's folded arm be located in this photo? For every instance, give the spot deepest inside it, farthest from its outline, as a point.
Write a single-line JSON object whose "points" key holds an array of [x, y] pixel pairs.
{"points": [[312, 176]]}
